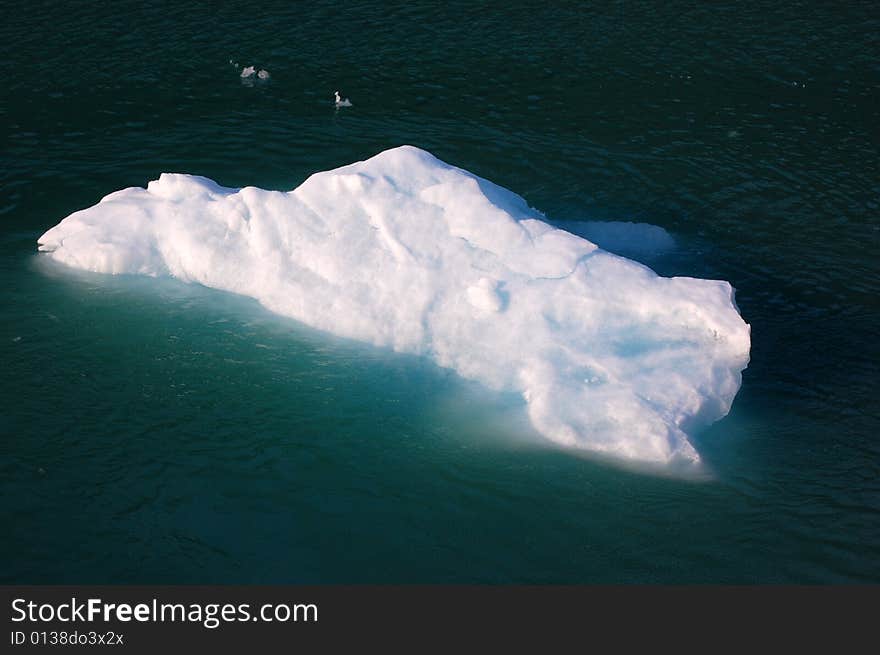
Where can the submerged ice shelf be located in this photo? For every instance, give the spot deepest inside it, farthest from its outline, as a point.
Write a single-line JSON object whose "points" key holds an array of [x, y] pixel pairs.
{"points": [[407, 252]]}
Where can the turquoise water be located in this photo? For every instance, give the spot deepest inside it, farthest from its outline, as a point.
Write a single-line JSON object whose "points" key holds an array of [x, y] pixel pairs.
{"points": [[159, 432]]}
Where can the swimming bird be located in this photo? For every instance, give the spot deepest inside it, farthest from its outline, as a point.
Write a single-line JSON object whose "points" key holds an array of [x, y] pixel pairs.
{"points": [[342, 102], [248, 72], [263, 74]]}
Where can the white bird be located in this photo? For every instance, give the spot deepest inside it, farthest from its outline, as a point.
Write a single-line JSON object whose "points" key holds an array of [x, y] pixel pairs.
{"points": [[342, 102], [248, 72], [263, 74]]}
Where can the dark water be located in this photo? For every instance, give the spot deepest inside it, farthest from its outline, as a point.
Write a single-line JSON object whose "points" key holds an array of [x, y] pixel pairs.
{"points": [[156, 432]]}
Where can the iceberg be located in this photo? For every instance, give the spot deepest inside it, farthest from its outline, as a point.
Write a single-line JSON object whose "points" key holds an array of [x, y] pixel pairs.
{"points": [[624, 237], [406, 252]]}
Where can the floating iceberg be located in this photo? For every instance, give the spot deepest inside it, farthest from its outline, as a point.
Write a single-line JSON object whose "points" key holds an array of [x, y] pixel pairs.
{"points": [[407, 252]]}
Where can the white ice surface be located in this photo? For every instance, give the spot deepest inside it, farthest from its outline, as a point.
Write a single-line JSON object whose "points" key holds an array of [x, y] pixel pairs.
{"points": [[406, 252]]}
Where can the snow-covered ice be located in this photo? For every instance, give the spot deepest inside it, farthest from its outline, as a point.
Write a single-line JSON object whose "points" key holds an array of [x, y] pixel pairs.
{"points": [[407, 252]]}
